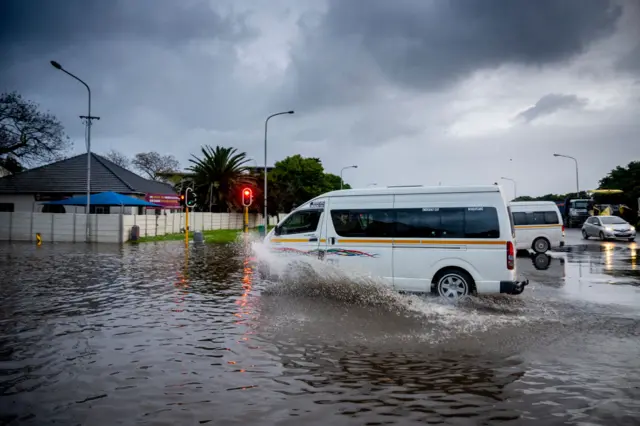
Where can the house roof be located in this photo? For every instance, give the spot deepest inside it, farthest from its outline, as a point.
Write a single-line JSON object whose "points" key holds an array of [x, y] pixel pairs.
{"points": [[70, 176]]}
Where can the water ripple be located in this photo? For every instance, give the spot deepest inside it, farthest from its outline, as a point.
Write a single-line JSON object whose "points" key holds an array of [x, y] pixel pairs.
{"points": [[152, 334]]}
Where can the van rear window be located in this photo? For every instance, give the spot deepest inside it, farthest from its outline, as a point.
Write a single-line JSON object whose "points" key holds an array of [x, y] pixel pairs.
{"points": [[434, 222]]}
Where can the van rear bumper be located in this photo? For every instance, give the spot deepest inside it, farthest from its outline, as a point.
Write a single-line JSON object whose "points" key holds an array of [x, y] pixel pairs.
{"points": [[513, 287]]}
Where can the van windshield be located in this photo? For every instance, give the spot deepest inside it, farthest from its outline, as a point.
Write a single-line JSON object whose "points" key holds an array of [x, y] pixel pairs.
{"points": [[580, 205]]}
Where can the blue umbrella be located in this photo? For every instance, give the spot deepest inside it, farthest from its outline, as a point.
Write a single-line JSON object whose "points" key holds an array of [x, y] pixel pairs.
{"points": [[104, 199]]}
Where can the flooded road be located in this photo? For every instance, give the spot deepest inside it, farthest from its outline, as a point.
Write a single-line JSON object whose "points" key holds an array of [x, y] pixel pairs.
{"points": [[149, 334]]}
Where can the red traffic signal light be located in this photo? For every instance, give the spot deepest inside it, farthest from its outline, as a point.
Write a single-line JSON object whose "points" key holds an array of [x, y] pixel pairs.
{"points": [[182, 199], [247, 197]]}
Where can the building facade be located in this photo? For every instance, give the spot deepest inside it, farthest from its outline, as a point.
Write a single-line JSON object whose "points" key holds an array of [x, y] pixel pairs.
{"points": [[24, 192]]}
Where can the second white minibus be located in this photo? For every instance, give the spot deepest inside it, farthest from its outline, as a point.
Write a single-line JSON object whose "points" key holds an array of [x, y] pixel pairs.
{"points": [[451, 241], [538, 225]]}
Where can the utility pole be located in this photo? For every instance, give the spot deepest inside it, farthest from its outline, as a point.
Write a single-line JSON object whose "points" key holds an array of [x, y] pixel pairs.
{"points": [[87, 119]]}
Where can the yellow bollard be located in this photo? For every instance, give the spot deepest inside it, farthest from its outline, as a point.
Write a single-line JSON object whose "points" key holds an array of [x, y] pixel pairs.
{"points": [[38, 239]]}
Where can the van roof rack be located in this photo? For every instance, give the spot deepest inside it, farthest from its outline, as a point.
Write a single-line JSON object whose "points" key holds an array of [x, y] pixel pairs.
{"points": [[404, 186]]}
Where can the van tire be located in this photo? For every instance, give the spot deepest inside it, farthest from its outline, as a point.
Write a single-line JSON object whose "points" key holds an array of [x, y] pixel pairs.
{"points": [[446, 278], [541, 245]]}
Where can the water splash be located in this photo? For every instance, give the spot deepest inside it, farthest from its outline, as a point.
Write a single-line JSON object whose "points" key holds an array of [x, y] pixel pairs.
{"points": [[309, 278]]}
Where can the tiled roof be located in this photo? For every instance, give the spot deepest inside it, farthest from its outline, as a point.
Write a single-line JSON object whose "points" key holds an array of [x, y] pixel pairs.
{"points": [[70, 176]]}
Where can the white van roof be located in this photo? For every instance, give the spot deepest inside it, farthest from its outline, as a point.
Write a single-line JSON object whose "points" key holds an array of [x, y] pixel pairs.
{"points": [[412, 189], [532, 203]]}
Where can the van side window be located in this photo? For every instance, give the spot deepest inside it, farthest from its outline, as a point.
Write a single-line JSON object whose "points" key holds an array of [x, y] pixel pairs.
{"points": [[481, 222], [363, 223], [535, 218], [418, 223], [519, 218], [551, 218], [301, 222], [458, 222]]}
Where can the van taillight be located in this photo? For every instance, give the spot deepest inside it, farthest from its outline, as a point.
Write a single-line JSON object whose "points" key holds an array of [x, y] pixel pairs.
{"points": [[511, 256], [563, 229]]}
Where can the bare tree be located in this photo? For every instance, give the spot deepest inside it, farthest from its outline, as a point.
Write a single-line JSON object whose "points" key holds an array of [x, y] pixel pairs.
{"points": [[27, 134], [118, 158], [154, 164]]}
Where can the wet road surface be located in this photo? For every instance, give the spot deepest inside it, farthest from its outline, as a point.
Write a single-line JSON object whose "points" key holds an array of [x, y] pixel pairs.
{"points": [[150, 334]]}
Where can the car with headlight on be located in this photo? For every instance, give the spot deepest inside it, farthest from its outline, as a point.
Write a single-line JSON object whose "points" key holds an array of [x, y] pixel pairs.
{"points": [[608, 228]]}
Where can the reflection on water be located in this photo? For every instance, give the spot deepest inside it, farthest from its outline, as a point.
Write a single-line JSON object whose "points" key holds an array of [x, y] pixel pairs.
{"points": [[155, 334]]}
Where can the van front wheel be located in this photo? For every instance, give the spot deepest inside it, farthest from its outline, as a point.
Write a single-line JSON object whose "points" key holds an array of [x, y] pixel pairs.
{"points": [[453, 284]]}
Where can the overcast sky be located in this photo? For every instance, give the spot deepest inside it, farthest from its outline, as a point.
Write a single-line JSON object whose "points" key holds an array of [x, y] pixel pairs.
{"points": [[412, 91]]}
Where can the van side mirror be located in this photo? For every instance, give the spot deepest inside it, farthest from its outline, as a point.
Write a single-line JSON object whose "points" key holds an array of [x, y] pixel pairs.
{"points": [[276, 230]]}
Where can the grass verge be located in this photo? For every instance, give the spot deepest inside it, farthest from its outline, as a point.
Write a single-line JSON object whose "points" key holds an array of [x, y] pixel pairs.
{"points": [[218, 236]]}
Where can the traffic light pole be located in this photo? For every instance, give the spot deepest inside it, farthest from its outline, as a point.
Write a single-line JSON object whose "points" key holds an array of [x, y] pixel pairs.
{"points": [[247, 200], [186, 219]]}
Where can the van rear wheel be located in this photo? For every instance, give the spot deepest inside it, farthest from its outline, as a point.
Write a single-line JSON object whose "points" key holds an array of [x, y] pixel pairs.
{"points": [[541, 245], [453, 284]]}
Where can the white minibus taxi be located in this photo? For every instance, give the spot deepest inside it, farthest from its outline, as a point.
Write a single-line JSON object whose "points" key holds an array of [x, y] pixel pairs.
{"points": [[451, 241], [538, 225]]}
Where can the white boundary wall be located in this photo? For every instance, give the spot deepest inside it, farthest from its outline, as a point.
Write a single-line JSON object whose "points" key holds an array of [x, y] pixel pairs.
{"points": [[112, 228]]}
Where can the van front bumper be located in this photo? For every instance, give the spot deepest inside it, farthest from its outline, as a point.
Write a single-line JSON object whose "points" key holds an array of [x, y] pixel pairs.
{"points": [[513, 287]]}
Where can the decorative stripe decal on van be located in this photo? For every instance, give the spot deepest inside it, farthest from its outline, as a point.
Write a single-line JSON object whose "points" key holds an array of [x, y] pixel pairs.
{"points": [[333, 251], [463, 242], [290, 240], [426, 242]]}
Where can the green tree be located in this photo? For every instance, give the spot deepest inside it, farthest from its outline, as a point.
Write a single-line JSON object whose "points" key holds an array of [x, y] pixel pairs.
{"points": [[297, 179], [218, 177], [332, 182], [626, 179]]}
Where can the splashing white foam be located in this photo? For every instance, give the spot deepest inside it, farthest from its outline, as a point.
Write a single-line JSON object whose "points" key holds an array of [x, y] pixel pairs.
{"points": [[305, 276]]}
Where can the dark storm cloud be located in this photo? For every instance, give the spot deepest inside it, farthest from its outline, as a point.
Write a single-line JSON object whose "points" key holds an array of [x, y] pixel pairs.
{"points": [[427, 44], [47, 24], [548, 104], [148, 62]]}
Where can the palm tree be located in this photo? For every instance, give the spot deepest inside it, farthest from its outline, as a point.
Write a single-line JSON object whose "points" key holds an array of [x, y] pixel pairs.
{"points": [[218, 174]]}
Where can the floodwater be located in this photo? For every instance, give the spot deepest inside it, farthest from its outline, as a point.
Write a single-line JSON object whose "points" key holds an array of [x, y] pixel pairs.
{"points": [[151, 334]]}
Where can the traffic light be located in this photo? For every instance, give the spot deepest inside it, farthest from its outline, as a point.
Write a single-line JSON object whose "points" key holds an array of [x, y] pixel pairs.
{"points": [[182, 198], [247, 197], [191, 198]]}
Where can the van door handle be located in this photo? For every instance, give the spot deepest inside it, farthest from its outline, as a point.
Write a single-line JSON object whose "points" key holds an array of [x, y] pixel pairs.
{"points": [[332, 240], [313, 239]]}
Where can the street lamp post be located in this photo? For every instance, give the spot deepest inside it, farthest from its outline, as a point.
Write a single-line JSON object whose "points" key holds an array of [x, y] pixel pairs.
{"points": [[577, 180], [342, 170], [515, 189], [266, 123], [87, 119]]}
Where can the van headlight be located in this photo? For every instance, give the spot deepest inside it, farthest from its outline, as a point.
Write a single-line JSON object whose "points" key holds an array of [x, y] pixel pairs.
{"points": [[632, 228]]}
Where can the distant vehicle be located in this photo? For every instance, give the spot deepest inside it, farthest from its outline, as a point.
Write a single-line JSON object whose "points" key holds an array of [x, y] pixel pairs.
{"points": [[538, 225], [576, 211], [608, 228], [451, 241], [610, 202]]}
